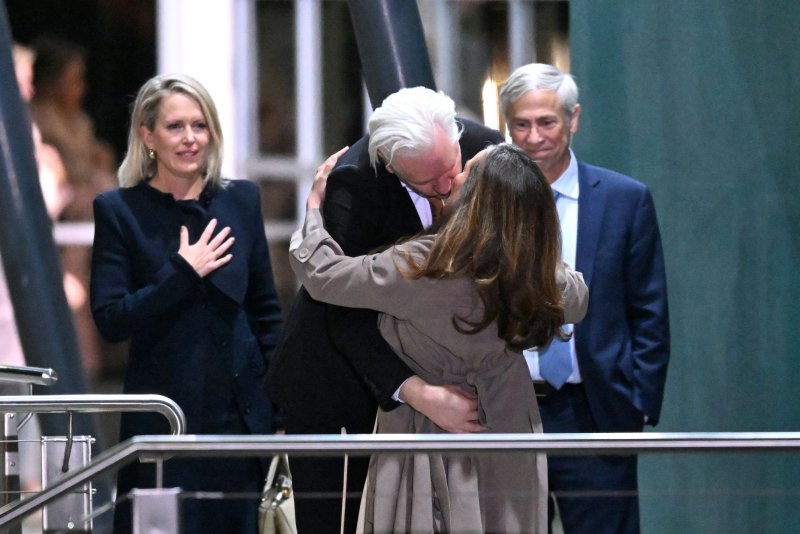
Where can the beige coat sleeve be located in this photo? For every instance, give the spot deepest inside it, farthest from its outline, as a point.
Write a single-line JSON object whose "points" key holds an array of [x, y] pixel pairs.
{"points": [[574, 291], [371, 281]]}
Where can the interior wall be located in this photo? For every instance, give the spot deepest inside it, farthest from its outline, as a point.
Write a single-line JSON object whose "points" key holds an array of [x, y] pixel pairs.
{"points": [[699, 101]]}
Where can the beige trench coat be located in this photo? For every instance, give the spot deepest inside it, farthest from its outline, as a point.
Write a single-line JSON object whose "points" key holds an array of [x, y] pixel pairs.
{"points": [[426, 493]]}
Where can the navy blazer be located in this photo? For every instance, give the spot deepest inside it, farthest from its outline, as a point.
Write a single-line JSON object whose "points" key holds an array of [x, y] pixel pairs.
{"points": [[332, 368], [623, 343], [204, 342]]}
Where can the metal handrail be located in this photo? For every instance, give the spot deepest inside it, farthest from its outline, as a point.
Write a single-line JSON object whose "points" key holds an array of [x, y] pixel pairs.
{"points": [[361, 445], [90, 403], [40, 376]]}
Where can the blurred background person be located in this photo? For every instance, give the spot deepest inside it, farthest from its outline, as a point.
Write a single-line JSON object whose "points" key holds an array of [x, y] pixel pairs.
{"points": [[55, 193], [59, 78], [181, 268], [52, 174]]}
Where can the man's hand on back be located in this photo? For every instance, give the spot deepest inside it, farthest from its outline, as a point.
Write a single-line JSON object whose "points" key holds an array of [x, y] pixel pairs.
{"points": [[449, 407]]}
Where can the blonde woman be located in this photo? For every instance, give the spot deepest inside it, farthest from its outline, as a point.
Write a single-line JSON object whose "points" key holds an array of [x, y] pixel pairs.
{"points": [[181, 270]]}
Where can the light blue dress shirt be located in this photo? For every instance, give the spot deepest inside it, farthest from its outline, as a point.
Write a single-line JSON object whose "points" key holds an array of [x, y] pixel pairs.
{"points": [[568, 191]]}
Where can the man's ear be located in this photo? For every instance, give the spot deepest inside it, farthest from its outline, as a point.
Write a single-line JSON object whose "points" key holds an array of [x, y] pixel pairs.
{"points": [[576, 115]]}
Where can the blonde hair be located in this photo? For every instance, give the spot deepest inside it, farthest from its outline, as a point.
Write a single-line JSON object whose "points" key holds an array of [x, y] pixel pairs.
{"points": [[137, 166]]}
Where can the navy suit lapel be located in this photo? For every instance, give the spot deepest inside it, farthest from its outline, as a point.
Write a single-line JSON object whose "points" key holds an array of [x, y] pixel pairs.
{"points": [[591, 205]]}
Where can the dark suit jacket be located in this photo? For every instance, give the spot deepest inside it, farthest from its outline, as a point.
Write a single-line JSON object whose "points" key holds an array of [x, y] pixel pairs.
{"points": [[204, 342], [332, 368], [623, 343]]}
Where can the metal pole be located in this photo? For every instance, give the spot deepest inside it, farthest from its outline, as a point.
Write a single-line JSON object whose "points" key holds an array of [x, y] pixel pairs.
{"points": [[29, 256], [218, 446], [308, 88], [521, 33], [106, 403], [391, 44], [156, 510], [28, 375], [30, 259], [9, 470]]}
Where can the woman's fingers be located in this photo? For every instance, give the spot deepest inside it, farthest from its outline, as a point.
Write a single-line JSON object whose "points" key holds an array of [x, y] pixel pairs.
{"points": [[325, 169], [219, 238], [208, 232], [317, 193], [208, 253], [223, 248]]}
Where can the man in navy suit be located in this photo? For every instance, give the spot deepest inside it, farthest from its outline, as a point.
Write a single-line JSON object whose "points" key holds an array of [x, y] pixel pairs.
{"points": [[615, 364]]}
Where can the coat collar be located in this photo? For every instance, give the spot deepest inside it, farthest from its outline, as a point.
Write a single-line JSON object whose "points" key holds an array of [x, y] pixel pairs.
{"points": [[591, 207]]}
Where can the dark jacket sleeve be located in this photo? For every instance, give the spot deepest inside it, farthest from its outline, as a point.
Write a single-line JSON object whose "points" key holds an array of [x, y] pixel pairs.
{"points": [[355, 333], [647, 309], [353, 206], [119, 308], [261, 301]]}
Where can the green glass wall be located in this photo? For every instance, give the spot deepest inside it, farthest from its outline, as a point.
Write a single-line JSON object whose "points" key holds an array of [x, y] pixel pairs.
{"points": [[701, 101]]}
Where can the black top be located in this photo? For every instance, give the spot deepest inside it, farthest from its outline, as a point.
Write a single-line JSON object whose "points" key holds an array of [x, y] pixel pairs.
{"points": [[204, 342]]}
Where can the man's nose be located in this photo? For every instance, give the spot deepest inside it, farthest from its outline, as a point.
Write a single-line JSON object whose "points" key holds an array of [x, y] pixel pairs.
{"points": [[533, 135], [444, 185]]}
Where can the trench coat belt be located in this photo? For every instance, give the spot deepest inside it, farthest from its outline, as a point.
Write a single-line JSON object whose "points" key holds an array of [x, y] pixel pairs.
{"points": [[478, 379], [543, 388]]}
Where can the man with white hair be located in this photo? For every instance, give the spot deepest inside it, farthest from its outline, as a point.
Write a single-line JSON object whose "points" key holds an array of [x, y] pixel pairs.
{"points": [[609, 377], [332, 368]]}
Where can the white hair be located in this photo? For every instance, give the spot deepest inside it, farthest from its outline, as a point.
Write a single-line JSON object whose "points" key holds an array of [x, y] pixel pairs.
{"points": [[540, 77], [406, 122]]}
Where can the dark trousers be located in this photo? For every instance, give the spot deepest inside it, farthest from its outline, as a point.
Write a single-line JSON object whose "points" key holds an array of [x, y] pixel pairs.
{"points": [[594, 494], [318, 484]]}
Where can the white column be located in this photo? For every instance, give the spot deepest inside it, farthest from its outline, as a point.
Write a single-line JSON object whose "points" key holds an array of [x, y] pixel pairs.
{"points": [[521, 33], [198, 38], [308, 90]]}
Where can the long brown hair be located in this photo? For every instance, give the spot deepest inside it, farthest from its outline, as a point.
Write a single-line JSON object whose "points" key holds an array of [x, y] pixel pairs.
{"points": [[504, 235]]}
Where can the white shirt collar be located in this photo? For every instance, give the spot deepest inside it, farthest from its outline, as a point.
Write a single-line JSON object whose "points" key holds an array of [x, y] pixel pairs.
{"points": [[422, 205]]}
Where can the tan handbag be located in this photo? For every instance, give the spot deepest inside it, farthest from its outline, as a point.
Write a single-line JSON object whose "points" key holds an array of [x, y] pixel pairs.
{"points": [[276, 511]]}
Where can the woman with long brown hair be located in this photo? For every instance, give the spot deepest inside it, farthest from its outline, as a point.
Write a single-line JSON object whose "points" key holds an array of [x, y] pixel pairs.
{"points": [[459, 306]]}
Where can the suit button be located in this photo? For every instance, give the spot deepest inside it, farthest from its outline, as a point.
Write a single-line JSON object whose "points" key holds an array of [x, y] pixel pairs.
{"points": [[247, 410]]}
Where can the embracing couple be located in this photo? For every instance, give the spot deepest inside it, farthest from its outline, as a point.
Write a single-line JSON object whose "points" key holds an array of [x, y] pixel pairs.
{"points": [[434, 329]]}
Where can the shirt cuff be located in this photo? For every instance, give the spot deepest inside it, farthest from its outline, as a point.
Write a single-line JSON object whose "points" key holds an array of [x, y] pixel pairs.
{"points": [[396, 394]]}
